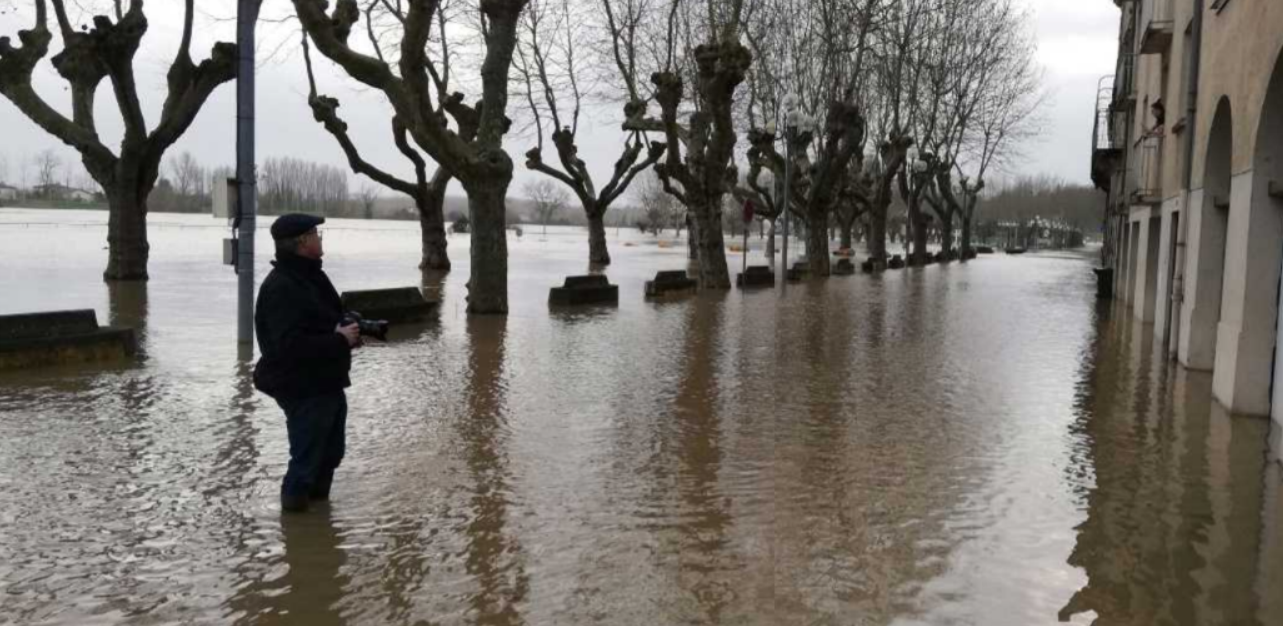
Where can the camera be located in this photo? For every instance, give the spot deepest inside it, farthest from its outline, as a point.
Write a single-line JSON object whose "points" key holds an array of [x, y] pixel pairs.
{"points": [[368, 328]]}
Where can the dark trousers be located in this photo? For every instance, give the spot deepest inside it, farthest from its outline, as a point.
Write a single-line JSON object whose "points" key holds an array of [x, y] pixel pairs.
{"points": [[317, 429]]}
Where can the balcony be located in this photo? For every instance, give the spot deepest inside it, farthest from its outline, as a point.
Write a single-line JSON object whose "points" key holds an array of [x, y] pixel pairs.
{"points": [[1156, 26], [1147, 157], [1105, 149]]}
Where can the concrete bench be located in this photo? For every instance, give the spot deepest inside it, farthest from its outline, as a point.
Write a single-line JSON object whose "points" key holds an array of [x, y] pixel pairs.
{"points": [[583, 290], [843, 267], [670, 283], [756, 276], [896, 263], [799, 271], [872, 265], [402, 304], [60, 337]]}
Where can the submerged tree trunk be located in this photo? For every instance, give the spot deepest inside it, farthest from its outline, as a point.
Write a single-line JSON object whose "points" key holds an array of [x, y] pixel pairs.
{"points": [[692, 238], [127, 247], [597, 253], [946, 235], [817, 243], [710, 247], [770, 241], [431, 205], [877, 241], [847, 240], [966, 236], [488, 283]]}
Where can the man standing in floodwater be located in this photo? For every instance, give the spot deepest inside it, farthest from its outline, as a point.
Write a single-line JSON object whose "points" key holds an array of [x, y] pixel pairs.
{"points": [[306, 348]]}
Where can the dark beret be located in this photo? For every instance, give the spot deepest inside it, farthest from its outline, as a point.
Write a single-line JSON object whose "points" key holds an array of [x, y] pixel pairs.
{"points": [[294, 224]]}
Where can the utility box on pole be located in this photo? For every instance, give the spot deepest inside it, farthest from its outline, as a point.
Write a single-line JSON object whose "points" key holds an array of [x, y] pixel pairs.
{"points": [[223, 198]]}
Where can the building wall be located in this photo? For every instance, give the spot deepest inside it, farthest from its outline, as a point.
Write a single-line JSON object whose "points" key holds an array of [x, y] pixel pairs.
{"points": [[1240, 48]]}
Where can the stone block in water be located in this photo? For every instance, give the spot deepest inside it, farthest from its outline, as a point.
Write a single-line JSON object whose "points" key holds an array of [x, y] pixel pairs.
{"points": [[896, 263], [60, 337], [756, 276], [581, 290], [799, 271], [402, 304], [670, 283], [870, 266], [843, 267]]}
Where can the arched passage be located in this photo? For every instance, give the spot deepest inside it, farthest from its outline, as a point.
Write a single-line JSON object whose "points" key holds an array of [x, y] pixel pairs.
{"points": [[1254, 256], [1205, 269]]}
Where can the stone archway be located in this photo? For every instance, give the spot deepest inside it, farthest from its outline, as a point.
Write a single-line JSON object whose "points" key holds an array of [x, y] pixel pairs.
{"points": [[1253, 259], [1205, 264]]}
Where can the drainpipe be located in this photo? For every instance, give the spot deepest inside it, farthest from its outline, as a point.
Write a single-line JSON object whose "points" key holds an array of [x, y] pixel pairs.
{"points": [[1191, 128]]}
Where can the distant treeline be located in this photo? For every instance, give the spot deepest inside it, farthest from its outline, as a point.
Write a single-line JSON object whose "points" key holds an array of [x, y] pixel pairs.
{"points": [[1078, 205]]}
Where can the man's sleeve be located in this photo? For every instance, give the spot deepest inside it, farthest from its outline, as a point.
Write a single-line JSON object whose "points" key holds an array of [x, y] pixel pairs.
{"points": [[286, 323]]}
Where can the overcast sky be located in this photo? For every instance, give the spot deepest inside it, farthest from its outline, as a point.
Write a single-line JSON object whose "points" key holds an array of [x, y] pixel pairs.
{"points": [[1076, 41]]}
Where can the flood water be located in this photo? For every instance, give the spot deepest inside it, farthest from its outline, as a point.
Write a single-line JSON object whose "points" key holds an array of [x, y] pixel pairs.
{"points": [[967, 444]]}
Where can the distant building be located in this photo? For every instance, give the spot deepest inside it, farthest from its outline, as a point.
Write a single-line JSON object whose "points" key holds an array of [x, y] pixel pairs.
{"points": [[1188, 146], [62, 192], [8, 193]]}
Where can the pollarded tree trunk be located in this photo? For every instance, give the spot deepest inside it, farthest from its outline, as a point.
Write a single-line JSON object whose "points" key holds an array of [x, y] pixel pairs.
{"points": [[710, 247], [966, 236], [488, 285], [692, 238], [817, 243], [918, 223], [847, 240], [431, 205], [597, 253], [770, 241], [127, 247], [946, 235], [877, 242]]}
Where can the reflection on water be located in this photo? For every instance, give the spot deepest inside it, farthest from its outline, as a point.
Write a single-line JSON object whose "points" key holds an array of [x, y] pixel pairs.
{"points": [[964, 444]]}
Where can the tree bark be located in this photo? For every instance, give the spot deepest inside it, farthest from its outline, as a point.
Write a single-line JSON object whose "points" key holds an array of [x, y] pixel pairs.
{"points": [[127, 247], [877, 242], [488, 284], [431, 205], [710, 247], [946, 235], [692, 237], [597, 253], [966, 236], [817, 243], [846, 240], [770, 241]]}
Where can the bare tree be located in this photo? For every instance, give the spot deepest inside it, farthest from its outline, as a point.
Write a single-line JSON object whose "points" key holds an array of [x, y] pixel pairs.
{"points": [[698, 168], [427, 192], [472, 151], [188, 179], [553, 71], [661, 210], [47, 165], [107, 51], [548, 198], [367, 197]]}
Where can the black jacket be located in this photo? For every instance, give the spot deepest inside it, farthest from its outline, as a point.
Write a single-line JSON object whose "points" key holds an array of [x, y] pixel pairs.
{"points": [[297, 311]]}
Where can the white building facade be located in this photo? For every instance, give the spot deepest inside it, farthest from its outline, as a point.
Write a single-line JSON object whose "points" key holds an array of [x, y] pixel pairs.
{"points": [[1189, 149]]}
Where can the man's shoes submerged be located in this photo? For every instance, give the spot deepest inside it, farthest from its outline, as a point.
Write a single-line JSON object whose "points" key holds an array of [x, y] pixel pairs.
{"points": [[293, 503]]}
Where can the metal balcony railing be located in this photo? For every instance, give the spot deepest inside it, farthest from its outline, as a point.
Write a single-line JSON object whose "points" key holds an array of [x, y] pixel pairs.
{"points": [[1156, 25], [1147, 157], [1102, 137], [1125, 78]]}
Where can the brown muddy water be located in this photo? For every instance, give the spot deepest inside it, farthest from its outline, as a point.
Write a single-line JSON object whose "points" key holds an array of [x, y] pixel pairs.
{"points": [[970, 444]]}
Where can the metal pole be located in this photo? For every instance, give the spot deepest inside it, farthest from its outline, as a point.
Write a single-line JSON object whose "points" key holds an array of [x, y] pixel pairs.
{"points": [[246, 16], [788, 169]]}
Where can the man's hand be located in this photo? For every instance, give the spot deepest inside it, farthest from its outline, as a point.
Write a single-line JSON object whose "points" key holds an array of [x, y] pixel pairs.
{"points": [[351, 332]]}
